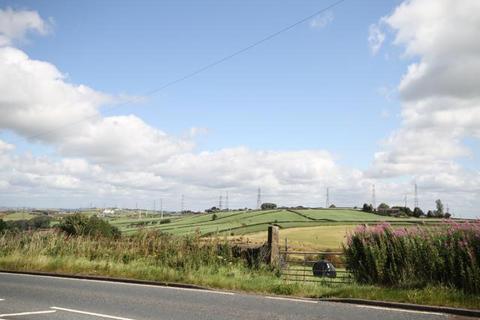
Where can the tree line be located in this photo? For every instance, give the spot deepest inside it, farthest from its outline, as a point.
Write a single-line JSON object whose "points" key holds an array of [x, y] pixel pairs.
{"points": [[386, 210]]}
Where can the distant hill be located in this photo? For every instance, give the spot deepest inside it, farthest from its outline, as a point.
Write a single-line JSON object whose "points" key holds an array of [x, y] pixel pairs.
{"points": [[245, 222]]}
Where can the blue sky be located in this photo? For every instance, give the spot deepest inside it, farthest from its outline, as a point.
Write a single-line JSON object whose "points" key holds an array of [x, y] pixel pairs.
{"points": [[308, 88], [317, 88]]}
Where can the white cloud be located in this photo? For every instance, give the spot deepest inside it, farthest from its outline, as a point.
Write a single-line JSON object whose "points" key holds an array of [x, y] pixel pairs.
{"points": [[322, 20], [376, 37], [37, 102], [15, 24], [440, 98], [121, 159]]}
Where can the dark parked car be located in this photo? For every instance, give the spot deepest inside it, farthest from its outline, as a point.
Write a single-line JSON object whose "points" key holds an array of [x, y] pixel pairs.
{"points": [[324, 268]]}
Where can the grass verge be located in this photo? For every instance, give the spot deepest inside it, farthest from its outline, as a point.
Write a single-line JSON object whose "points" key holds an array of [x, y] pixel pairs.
{"points": [[235, 277]]}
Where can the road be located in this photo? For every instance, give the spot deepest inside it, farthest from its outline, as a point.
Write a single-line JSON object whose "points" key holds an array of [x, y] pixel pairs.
{"points": [[43, 298]]}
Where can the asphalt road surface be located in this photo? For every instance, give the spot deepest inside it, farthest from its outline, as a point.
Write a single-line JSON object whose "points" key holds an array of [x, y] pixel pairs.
{"points": [[43, 298]]}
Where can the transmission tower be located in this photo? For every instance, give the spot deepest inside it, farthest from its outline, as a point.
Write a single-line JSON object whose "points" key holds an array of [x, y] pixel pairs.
{"points": [[259, 198], [182, 204], [226, 201], [416, 196], [405, 200], [161, 209], [220, 202], [374, 200], [327, 200]]}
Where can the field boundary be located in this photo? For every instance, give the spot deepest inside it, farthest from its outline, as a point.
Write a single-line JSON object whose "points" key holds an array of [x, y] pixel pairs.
{"points": [[307, 217]]}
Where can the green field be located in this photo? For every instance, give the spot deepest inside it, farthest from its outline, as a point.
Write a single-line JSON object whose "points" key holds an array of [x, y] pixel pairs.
{"points": [[237, 223], [18, 216], [308, 238]]}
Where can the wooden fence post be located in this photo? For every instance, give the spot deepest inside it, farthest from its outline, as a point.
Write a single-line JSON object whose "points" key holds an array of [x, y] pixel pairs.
{"points": [[273, 245]]}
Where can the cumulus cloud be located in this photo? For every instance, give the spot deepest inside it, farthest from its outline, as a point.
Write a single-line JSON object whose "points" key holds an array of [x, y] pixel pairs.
{"points": [[123, 159], [322, 20], [37, 102], [15, 24], [440, 98]]}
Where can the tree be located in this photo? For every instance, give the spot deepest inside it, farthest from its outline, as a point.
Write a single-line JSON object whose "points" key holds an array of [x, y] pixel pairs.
{"points": [[439, 212], [214, 217], [417, 212], [212, 209], [268, 206], [383, 206], [332, 206], [430, 214], [367, 208]]}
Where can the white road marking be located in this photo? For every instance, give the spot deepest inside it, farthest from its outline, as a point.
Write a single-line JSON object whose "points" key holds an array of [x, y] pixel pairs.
{"points": [[2, 299], [291, 299], [125, 283], [401, 310], [26, 313], [90, 313]]}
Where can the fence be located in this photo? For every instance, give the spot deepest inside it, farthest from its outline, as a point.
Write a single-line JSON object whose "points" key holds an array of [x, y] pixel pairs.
{"points": [[299, 266]]}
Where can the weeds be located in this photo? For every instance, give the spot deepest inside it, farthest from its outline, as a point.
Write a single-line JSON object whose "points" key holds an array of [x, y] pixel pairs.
{"points": [[447, 255]]}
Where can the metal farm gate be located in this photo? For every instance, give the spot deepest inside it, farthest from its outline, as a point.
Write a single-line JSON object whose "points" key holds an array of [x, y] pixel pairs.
{"points": [[298, 266]]}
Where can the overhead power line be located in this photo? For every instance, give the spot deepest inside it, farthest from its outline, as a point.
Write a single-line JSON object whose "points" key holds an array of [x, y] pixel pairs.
{"points": [[201, 69]]}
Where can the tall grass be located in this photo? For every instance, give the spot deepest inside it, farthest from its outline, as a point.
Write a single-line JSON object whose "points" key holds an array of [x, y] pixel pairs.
{"points": [[447, 255], [152, 248]]}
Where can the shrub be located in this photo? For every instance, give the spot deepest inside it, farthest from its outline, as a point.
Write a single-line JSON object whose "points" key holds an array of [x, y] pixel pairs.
{"points": [[445, 255], [40, 222], [367, 208], [80, 225], [165, 221], [3, 226]]}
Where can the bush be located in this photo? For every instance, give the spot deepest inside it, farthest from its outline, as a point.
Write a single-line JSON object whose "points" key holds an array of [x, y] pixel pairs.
{"points": [[268, 206], [367, 208], [415, 257], [417, 212], [40, 222], [165, 221], [3, 226], [80, 225]]}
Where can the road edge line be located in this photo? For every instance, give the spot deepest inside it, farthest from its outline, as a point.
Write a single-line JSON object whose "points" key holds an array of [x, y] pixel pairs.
{"points": [[380, 303], [103, 278], [406, 306]]}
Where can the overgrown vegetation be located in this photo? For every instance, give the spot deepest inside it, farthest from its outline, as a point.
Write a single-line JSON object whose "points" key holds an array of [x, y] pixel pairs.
{"points": [[39, 222], [447, 255], [81, 225], [188, 259]]}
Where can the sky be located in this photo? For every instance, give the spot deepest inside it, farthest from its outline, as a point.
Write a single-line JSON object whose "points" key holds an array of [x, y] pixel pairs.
{"points": [[365, 93]]}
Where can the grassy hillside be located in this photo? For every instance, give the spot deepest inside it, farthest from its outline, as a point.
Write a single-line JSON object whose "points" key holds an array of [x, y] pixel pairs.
{"points": [[247, 222]]}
